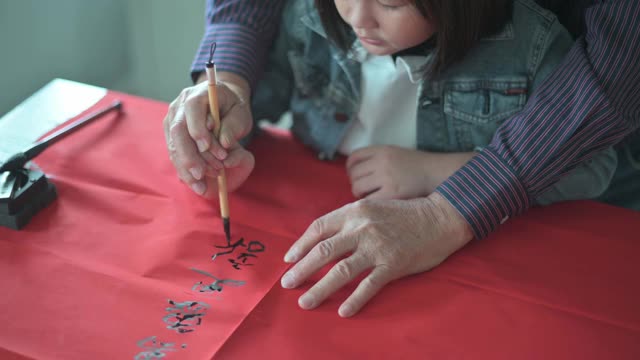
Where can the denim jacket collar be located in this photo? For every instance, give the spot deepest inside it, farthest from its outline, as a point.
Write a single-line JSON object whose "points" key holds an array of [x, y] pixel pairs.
{"points": [[506, 33], [312, 20]]}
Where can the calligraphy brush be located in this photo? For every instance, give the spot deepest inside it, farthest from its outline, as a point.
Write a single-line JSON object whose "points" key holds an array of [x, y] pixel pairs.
{"points": [[210, 67], [17, 161]]}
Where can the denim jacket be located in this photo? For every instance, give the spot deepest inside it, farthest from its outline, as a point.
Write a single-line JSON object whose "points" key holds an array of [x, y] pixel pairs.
{"points": [[459, 110]]}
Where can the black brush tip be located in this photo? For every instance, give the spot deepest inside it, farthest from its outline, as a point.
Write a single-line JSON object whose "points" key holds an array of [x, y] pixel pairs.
{"points": [[227, 228]]}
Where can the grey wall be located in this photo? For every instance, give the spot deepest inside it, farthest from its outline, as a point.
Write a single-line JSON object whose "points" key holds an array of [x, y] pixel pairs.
{"points": [[142, 47], [163, 38]]}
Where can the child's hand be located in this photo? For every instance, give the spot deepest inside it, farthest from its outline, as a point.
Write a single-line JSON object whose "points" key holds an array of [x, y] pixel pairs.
{"points": [[238, 166], [392, 172]]}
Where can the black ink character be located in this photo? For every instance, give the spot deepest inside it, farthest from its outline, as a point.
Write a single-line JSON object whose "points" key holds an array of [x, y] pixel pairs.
{"points": [[153, 349], [241, 260], [255, 246], [229, 245], [236, 265], [216, 285], [185, 316]]}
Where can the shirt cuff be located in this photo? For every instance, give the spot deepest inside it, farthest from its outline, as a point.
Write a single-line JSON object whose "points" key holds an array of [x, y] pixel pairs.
{"points": [[486, 192], [239, 50]]}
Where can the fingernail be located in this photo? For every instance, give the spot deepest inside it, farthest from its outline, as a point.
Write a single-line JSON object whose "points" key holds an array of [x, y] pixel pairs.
{"points": [[203, 145], [345, 311], [225, 141], [196, 173], [221, 154], [306, 301], [287, 281], [291, 256], [199, 188]]}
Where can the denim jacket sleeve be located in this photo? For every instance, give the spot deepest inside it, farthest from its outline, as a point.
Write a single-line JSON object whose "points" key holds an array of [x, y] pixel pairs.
{"points": [[592, 177], [587, 181]]}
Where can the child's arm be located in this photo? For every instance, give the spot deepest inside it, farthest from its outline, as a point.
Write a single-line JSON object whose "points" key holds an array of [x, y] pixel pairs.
{"points": [[391, 172]]}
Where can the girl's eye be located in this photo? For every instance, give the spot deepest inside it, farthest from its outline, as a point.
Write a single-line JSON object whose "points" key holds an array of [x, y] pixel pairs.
{"points": [[391, 5]]}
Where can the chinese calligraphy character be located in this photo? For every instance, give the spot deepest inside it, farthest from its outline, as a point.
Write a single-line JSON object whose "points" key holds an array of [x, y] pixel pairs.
{"points": [[185, 316], [153, 349], [229, 245], [241, 260], [214, 286]]}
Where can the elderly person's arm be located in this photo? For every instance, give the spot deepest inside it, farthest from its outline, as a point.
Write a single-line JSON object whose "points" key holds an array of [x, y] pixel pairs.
{"points": [[589, 103], [243, 31]]}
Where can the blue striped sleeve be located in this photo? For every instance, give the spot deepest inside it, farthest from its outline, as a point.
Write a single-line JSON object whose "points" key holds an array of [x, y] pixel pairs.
{"points": [[589, 103], [243, 31]]}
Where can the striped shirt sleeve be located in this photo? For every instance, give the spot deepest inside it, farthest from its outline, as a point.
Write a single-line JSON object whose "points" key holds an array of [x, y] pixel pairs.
{"points": [[243, 31], [589, 103]]}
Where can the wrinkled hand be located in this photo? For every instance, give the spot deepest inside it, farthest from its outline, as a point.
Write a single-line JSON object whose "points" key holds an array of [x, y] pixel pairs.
{"points": [[392, 172], [393, 238], [194, 151]]}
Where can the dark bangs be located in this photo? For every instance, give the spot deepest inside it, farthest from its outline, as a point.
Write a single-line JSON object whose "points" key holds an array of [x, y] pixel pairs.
{"points": [[459, 25]]}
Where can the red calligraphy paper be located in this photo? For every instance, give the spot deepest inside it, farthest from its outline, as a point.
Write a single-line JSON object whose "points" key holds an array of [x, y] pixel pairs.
{"points": [[119, 266], [93, 274]]}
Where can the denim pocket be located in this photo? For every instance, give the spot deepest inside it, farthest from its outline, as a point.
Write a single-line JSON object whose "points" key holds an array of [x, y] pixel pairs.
{"points": [[475, 109]]}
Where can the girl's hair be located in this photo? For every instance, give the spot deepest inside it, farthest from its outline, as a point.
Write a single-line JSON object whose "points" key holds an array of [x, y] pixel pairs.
{"points": [[459, 25]]}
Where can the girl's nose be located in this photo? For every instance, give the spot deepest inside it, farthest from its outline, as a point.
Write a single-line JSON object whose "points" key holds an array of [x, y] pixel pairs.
{"points": [[361, 15]]}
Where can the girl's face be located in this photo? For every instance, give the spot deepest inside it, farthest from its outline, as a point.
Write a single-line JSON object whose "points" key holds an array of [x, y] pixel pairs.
{"points": [[385, 27]]}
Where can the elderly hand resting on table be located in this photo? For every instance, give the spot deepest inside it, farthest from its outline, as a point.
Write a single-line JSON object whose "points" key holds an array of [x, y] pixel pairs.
{"points": [[392, 238]]}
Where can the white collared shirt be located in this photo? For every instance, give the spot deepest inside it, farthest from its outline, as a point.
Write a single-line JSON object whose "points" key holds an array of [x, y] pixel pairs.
{"points": [[389, 102]]}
